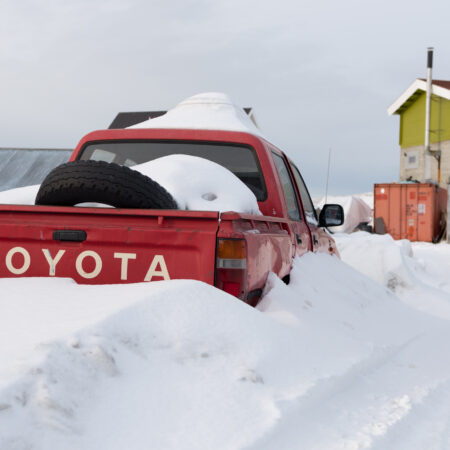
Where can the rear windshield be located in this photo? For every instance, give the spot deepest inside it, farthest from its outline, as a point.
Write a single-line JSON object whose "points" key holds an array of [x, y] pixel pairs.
{"points": [[239, 159]]}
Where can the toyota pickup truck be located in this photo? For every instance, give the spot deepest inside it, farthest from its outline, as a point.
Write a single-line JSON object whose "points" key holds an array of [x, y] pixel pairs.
{"points": [[233, 251]]}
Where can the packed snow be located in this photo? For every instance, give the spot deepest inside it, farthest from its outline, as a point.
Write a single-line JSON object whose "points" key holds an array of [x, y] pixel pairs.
{"points": [[195, 184], [413, 271], [206, 111], [338, 359], [350, 355], [20, 196], [198, 184]]}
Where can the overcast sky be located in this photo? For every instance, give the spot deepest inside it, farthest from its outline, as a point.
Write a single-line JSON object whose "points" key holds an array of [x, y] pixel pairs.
{"points": [[319, 75]]}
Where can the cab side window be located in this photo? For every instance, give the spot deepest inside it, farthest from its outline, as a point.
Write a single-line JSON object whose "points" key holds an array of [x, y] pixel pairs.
{"points": [[288, 188], [308, 206]]}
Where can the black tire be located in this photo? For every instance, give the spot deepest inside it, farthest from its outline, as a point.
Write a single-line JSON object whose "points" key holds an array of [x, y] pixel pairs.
{"points": [[101, 182]]}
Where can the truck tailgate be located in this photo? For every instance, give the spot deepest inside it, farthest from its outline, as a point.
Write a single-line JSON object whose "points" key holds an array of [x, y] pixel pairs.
{"points": [[106, 245]]}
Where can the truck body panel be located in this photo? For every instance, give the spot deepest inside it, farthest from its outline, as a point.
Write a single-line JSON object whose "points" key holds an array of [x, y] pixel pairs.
{"points": [[108, 245]]}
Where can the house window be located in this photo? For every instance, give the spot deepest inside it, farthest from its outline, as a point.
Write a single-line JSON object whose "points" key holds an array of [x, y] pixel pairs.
{"points": [[412, 159]]}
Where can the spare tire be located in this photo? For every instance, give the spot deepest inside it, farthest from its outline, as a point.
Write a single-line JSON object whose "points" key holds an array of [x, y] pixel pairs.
{"points": [[101, 182]]}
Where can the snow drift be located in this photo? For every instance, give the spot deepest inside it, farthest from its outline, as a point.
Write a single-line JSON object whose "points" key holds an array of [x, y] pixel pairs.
{"points": [[198, 184], [414, 271], [19, 196], [334, 360]]}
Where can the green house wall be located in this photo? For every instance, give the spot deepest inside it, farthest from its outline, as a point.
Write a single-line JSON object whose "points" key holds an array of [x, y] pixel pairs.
{"points": [[412, 122]]}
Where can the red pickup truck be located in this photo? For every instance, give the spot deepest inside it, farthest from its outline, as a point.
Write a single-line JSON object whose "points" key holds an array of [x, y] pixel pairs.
{"points": [[230, 250]]}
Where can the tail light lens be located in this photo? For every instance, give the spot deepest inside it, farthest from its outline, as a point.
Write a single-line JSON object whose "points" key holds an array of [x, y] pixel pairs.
{"points": [[231, 266]]}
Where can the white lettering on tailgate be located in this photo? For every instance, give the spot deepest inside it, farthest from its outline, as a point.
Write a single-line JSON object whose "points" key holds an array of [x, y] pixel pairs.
{"points": [[124, 263], [79, 264], [52, 261], [157, 268], [26, 261], [152, 272]]}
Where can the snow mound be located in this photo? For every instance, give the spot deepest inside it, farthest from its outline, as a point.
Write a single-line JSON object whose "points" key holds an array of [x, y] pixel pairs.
{"points": [[379, 257], [334, 360], [207, 111], [201, 185], [19, 196], [394, 265], [356, 210], [366, 197]]}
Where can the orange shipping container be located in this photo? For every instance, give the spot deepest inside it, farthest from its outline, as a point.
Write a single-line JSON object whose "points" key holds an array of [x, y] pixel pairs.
{"points": [[414, 211]]}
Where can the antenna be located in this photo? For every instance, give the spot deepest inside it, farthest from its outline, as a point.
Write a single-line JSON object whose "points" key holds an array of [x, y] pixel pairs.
{"points": [[328, 175]]}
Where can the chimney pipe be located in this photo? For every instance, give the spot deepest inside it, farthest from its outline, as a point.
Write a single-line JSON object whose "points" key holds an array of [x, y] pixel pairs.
{"points": [[428, 156]]}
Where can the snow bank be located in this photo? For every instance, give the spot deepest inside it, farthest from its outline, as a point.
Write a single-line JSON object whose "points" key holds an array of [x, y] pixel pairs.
{"points": [[198, 184], [366, 197], [333, 360], [356, 210], [421, 281], [207, 111]]}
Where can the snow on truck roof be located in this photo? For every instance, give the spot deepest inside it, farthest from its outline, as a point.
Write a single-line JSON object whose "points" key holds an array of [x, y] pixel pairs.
{"points": [[207, 111]]}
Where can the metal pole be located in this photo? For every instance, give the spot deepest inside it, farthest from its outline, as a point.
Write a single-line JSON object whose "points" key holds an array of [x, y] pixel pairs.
{"points": [[428, 156]]}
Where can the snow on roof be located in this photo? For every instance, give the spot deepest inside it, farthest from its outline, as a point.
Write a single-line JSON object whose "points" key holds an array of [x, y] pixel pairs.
{"points": [[207, 111], [439, 87]]}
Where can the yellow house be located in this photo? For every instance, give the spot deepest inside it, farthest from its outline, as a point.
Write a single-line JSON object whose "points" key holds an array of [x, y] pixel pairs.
{"points": [[410, 106]]}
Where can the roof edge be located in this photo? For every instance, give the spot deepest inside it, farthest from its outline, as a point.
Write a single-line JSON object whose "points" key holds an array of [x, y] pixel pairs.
{"points": [[417, 85]]}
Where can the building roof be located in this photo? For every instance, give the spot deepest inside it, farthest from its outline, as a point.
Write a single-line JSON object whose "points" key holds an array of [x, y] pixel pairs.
{"points": [[128, 119], [442, 83], [418, 86]]}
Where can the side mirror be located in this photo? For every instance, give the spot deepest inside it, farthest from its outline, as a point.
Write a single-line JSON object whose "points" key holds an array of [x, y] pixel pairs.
{"points": [[331, 216]]}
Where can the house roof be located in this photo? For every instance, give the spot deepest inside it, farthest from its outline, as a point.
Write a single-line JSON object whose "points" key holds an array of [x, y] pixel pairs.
{"points": [[127, 119], [442, 83], [418, 86]]}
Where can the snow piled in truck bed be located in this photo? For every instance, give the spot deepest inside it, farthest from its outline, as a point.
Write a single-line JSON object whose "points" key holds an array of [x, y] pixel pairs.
{"points": [[195, 183], [200, 185], [20, 196], [335, 360]]}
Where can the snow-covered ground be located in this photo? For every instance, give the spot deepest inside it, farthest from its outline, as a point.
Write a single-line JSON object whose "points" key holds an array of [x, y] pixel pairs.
{"points": [[342, 358]]}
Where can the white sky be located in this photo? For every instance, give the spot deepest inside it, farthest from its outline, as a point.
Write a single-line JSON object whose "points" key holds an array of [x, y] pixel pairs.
{"points": [[319, 74]]}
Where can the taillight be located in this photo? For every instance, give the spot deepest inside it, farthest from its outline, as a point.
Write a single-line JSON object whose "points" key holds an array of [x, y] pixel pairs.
{"points": [[231, 266]]}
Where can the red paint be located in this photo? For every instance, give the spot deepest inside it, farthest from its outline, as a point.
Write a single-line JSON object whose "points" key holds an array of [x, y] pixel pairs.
{"points": [[126, 245]]}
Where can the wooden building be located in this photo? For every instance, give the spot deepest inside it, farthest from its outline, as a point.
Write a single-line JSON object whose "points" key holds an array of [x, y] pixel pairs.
{"points": [[410, 106]]}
